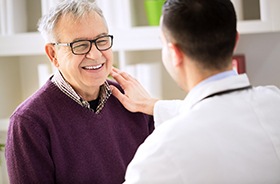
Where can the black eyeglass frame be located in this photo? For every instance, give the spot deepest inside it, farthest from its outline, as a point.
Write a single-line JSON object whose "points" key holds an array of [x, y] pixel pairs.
{"points": [[91, 41]]}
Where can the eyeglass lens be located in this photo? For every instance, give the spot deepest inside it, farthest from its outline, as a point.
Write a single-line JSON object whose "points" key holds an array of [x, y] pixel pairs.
{"points": [[84, 46]]}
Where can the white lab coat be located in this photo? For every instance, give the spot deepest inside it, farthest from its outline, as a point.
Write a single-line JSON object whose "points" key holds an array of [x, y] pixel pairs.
{"points": [[228, 138]]}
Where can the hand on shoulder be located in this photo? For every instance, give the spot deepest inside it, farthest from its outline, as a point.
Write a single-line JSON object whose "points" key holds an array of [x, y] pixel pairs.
{"points": [[135, 97]]}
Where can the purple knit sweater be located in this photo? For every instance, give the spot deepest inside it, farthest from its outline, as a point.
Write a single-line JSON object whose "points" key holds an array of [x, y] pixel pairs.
{"points": [[52, 139]]}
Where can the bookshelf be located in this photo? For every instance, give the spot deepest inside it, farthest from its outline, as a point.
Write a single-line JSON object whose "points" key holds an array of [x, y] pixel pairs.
{"points": [[134, 39], [22, 48]]}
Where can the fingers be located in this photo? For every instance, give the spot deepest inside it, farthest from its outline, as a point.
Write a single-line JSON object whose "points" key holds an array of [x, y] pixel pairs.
{"points": [[122, 98], [135, 97], [116, 92], [117, 76], [123, 78], [120, 74]]}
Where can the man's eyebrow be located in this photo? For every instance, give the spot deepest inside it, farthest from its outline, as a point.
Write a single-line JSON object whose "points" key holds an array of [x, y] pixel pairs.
{"points": [[84, 38]]}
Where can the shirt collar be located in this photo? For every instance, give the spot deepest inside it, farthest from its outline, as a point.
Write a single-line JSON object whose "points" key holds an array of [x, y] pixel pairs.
{"points": [[216, 77], [226, 83], [66, 88]]}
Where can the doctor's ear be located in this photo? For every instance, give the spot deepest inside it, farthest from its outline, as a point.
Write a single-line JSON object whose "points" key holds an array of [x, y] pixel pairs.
{"points": [[176, 54], [51, 53], [236, 40]]}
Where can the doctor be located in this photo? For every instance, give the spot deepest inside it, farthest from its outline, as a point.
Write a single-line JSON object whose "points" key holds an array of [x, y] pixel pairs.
{"points": [[225, 130]]}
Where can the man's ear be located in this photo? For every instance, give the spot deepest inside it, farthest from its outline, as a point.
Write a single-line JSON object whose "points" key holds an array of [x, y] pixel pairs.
{"points": [[51, 53], [236, 39], [176, 54]]}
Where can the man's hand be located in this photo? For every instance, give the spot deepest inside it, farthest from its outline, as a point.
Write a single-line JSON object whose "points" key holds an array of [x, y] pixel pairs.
{"points": [[135, 97]]}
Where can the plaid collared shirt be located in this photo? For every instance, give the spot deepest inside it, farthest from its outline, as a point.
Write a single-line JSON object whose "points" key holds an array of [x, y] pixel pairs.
{"points": [[65, 87]]}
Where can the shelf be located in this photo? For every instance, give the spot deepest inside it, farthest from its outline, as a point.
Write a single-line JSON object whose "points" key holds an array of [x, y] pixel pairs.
{"points": [[137, 38], [261, 16], [131, 34], [19, 16], [255, 26], [141, 38], [21, 44]]}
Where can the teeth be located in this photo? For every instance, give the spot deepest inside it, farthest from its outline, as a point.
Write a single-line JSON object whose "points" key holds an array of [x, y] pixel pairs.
{"points": [[93, 67]]}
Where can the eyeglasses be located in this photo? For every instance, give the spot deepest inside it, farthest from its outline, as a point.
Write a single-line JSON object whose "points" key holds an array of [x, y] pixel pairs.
{"points": [[82, 47]]}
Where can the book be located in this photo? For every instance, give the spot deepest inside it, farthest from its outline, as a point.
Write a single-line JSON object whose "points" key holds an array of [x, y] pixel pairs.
{"points": [[16, 16], [3, 18], [46, 5], [114, 17], [149, 75], [43, 74], [238, 63]]}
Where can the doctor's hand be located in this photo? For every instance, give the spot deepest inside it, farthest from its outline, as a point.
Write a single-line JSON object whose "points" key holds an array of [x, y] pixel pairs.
{"points": [[135, 97]]}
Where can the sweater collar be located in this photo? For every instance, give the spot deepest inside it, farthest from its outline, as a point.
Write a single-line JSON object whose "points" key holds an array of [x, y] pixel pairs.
{"points": [[66, 88]]}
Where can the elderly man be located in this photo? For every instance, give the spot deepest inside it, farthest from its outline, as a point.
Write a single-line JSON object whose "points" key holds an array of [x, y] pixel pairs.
{"points": [[73, 130]]}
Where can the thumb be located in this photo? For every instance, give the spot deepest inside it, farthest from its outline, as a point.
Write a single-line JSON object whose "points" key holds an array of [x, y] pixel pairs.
{"points": [[116, 92], [125, 101]]}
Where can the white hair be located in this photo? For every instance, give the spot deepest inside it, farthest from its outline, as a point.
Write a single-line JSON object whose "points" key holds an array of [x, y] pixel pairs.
{"points": [[77, 8]]}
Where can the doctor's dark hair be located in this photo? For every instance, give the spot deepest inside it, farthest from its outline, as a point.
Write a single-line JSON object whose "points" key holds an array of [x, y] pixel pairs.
{"points": [[204, 30]]}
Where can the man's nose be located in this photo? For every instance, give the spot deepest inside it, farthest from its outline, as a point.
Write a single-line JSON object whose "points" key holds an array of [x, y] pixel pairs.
{"points": [[94, 52]]}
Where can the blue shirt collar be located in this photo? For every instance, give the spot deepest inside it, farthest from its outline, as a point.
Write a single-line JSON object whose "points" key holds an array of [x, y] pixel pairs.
{"points": [[216, 77]]}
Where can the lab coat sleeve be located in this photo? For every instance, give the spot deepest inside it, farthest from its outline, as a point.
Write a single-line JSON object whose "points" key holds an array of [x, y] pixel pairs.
{"points": [[165, 110]]}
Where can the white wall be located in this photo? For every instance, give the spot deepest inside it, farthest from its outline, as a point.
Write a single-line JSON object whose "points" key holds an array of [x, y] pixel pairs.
{"points": [[262, 52], [262, 55], [10, 95]]}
